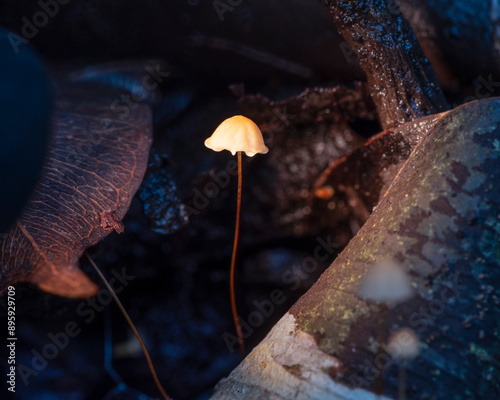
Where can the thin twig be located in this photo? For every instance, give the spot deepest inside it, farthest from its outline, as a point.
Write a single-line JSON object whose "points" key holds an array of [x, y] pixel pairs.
{"points": [[134, 329]]}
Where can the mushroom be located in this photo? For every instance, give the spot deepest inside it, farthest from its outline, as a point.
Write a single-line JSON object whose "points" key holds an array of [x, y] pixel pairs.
{"points": [[385, 283], [237, 134], [403, 345]]}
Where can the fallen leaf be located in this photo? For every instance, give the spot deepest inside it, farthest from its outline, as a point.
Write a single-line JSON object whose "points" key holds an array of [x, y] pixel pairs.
{"points": [[24, 126], [96, 161]]}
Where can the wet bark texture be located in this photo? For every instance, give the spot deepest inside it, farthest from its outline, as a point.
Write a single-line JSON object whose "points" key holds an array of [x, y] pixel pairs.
{"points": [[403, 85], [439, 220]]}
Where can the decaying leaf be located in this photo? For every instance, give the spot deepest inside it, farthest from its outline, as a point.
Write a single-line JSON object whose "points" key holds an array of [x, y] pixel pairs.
{"points": [[95, 164], [361, 179], [339, 104], [440, 221]]}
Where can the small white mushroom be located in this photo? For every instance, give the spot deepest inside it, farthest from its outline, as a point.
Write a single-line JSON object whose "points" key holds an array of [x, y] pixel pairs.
{"points": [[404, 344], [235, 134], [385, 282]]}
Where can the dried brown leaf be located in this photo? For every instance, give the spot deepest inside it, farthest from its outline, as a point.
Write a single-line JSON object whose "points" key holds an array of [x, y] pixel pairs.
{"points": [[95, 164]]}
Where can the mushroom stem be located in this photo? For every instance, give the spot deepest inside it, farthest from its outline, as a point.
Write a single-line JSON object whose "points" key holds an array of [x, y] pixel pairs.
{"points": [[237, 134], [233, 261]]}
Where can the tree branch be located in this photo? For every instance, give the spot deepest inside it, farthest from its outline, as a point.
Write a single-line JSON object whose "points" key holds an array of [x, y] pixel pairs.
{"points": [[403, 84]]}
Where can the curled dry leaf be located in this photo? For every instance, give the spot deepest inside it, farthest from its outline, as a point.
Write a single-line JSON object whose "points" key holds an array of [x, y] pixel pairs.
{"points": [[305, 133], [96, 162], [361, 178]]}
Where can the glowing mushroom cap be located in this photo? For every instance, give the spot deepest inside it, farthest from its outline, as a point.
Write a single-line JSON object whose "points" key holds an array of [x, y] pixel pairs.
{"points": [[237, 133], [386, 282], [404, 344]]}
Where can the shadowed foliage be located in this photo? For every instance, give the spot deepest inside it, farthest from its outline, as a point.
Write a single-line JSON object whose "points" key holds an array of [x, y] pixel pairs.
{"points": [[24, 124], [95, 164]]}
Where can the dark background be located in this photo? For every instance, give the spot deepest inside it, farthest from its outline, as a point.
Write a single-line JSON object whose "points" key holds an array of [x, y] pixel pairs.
{"points": [[179, 298]]}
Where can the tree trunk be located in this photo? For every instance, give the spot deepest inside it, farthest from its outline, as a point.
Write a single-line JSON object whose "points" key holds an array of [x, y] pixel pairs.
{"points": [[403, 84], [440, 221]]}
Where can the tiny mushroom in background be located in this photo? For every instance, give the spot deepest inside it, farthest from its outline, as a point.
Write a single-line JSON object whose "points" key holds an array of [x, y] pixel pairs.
{"points": [[403, 345], [385, 283], [237, 134]]}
